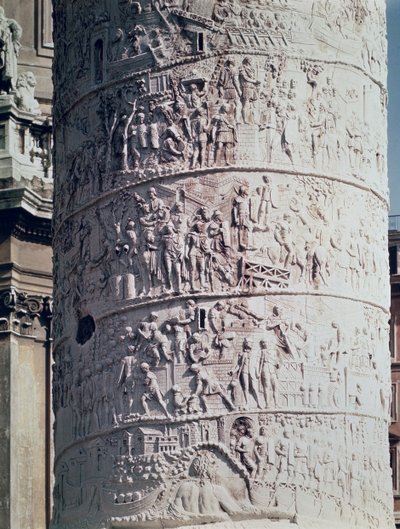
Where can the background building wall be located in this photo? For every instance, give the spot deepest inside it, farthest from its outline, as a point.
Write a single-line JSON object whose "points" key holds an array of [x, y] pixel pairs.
{"points": [[26, 280]]}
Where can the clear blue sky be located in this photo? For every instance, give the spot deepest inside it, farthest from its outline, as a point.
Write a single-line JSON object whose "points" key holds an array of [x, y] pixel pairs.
{"points": [[393, 28]]}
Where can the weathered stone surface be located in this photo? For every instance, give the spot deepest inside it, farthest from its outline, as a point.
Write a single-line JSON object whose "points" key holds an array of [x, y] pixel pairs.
{"points": [[220, 265], [25, 269]]}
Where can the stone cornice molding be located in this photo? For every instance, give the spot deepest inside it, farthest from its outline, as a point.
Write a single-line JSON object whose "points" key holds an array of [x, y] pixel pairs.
{"points": [[26, 215]]}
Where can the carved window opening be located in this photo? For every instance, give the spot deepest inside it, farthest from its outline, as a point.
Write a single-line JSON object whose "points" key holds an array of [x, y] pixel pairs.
{"points": [[159, 83], [393, 260], [98, 61], [86, 328], [393, 404], [200, 42], [202, 318], [2, 137], [392, 339], [99, 461], [393, 465], [21, 140], [181, 197]]}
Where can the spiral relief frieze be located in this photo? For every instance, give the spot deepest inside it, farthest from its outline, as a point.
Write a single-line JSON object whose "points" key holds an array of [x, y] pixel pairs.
{"points": [[221, 302]]}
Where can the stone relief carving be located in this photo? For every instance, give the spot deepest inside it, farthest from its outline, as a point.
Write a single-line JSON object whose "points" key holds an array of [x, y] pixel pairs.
{"points": [[142, 367], [191, 365], [184, 132], [202, 485], [257, 237], [220, 329]]}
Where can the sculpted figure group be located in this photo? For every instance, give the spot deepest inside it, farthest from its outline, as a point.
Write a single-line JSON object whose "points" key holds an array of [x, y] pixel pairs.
{"points": [[140, 375], [170, 249], [158, 243], [197, 123]]}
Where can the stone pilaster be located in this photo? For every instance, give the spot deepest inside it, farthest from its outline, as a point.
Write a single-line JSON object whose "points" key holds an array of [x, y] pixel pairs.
{"points": [[25, 271], [25, 350]]}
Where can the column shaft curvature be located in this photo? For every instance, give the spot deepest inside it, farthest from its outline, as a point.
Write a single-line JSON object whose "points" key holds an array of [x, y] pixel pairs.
{"points": [[220, 263]]}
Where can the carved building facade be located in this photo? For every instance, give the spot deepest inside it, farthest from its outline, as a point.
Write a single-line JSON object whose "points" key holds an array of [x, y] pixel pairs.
{"points": [[25, 263], [221, 299]]}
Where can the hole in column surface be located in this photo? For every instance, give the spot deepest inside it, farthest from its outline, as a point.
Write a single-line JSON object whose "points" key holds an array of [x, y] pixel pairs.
{"points": [[86, 328], [202, 318], [200, 42]]}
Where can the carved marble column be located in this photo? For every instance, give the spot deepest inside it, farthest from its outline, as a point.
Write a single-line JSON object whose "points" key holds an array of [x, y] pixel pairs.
{"points": [[221, 300]]}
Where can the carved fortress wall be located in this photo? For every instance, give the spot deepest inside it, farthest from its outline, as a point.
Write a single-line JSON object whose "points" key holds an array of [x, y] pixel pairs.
{"points": [[221, 300]]}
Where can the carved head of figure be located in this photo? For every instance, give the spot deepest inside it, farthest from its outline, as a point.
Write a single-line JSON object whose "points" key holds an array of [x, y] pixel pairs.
{"points": [[130, 224], [266, 179], [204, 213], [22, 80], [144, 366], [196, 337], [141, 118], [286, 434], [179, 207], [220, 306], [217, 215], [195, 368], [204, 467], [168, 230], [247, 344], [153, 316], [146, 209], [247, 61], [30, 79], [108, 362], [201, 112], [276, 311], [243, 191]]}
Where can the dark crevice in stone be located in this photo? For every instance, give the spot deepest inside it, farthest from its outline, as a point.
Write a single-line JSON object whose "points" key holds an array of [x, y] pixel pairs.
{"points": [[86, 328]]}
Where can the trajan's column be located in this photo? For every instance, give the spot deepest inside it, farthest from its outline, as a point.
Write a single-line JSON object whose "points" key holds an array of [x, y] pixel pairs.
{"points": [[221, 301]]}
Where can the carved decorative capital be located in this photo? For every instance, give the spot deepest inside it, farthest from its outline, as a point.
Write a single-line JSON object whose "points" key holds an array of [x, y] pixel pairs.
{"points": [[20, 311]]}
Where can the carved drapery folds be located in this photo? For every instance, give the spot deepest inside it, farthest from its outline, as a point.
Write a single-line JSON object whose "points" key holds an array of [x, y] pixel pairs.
{"points": [[220, 264]]}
